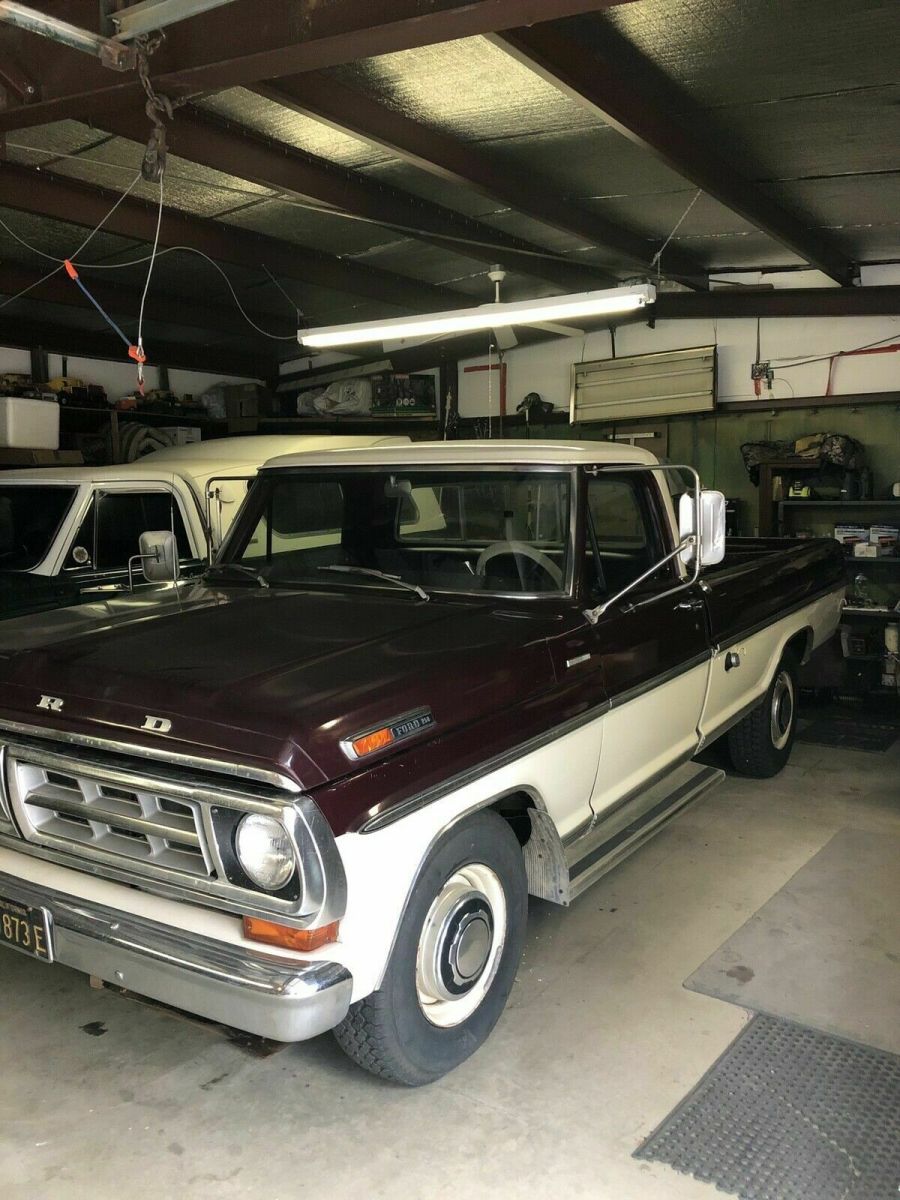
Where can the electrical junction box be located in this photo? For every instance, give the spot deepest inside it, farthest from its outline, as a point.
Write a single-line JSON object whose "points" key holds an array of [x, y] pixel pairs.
{"points": [[761, 371]]}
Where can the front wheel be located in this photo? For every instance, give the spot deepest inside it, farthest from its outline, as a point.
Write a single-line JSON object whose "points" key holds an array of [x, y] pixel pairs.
{"points": [[454, 961], [760, 744]]}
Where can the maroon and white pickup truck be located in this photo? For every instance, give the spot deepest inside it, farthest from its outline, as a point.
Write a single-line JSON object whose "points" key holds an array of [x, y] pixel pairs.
{"points": [[420, 683]]}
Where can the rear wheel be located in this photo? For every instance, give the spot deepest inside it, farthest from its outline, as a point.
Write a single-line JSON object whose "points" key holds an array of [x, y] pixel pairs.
{"points": [[454, 961], [760, 744]]}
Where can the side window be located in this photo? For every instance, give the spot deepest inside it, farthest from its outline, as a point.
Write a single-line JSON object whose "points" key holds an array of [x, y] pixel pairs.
{"points": [[123, 516], [299, 518], [625, 541]]}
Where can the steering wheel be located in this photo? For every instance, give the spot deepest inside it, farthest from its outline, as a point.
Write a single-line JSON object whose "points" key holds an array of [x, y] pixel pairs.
{"points": [[527, 551]]}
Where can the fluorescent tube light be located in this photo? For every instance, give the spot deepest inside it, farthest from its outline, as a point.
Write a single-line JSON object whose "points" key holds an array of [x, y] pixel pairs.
{"points": [[486, 316]]}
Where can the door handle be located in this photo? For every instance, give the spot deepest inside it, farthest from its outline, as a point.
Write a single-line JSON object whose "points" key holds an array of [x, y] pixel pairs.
{"points": [[732, 660], [691, 605]]}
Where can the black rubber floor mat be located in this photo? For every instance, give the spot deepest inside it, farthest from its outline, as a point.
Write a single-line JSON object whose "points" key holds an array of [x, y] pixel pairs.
{"points": [[788, 1113], [844, 733]]}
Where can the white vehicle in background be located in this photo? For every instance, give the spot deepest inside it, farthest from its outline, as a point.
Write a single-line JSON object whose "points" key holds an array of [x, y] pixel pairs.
{"points": [[80, 527]]}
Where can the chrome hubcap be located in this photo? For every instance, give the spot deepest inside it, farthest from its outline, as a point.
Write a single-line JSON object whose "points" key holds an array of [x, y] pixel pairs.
{"points": [[782, 715], [460, 946]]}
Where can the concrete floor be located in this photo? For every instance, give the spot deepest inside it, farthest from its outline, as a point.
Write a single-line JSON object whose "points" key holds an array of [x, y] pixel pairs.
{"points": [[598, 1044]]}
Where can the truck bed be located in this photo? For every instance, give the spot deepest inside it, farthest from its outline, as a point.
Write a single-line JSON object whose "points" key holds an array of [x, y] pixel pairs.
{"points": [[762, 579]]}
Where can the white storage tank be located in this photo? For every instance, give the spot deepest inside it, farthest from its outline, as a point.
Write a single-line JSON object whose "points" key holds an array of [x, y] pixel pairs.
{"points": [[27, 424]]}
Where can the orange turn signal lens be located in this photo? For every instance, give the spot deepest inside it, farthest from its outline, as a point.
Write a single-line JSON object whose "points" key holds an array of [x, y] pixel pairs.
{"points": [[371, 742], [259, 930]]}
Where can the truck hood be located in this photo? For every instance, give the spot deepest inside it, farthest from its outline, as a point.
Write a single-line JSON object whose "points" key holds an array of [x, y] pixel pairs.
{"points": [[22, 593], [279, 678]]}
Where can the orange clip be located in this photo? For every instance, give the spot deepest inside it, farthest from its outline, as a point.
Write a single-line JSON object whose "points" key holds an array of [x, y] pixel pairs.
{"points": [[70, 270], [137, 354]]}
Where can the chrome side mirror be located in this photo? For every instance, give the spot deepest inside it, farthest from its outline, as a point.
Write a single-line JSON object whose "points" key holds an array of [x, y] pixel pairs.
{"points": [[158, 556], [712, 527]]}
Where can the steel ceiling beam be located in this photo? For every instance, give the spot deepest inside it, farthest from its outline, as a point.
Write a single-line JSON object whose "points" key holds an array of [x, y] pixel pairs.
{"points": [[31, 20], [325, 98], [251, 41], [146, 16], [227, 147], [88, 343], [62, 199], [779, 302], [594, 64], [123, 301]]}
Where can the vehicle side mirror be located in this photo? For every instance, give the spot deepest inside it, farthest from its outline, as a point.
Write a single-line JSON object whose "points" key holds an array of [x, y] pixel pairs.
{"points": [[712, 527], [158, 554], [398, 489]]}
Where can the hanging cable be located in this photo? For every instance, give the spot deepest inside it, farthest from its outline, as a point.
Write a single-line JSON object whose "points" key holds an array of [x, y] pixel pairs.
{"points": [[140, 333], [97, 228], [277, 337], [490, 388], [52, 257], [656, 260], [298, 312], [31, 287], [136, 262], [803, 362]]}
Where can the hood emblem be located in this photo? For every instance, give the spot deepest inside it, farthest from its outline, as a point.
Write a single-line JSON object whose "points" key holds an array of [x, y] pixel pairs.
{"points": [[157, 724], [50, 703], [382, 736]]}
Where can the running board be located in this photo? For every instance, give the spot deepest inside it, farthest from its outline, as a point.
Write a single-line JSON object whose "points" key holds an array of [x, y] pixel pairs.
{"points": [[604, 847]]}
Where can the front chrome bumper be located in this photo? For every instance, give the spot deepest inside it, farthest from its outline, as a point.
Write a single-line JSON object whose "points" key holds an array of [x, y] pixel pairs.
{"points": [[262, 994]]}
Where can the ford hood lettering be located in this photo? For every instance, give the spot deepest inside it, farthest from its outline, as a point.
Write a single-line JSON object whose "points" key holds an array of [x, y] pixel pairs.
{"points": [[157, 724]]}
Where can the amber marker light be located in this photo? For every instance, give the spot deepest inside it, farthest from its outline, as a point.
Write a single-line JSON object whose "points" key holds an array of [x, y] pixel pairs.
{"points": [[371, 742], [258, 930]]}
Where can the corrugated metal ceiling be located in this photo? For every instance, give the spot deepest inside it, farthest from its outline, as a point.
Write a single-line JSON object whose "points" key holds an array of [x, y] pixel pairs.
{"points": [[728, 52], [806, 92]]}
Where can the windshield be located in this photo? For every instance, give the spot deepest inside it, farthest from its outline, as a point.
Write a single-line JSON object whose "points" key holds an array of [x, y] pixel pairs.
{"points": [[30, 515], [498, 531]]}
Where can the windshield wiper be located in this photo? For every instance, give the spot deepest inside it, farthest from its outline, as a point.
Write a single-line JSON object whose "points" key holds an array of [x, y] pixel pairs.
{"points": [[409, 587], [240, 569]]}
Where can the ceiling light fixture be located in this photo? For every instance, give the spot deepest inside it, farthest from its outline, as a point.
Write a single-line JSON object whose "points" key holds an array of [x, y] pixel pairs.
{"points": [[486, 316]]}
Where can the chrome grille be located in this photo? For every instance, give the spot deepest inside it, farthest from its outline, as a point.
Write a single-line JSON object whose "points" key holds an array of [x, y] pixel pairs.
{"points": [[91, 807], [74, 809]]}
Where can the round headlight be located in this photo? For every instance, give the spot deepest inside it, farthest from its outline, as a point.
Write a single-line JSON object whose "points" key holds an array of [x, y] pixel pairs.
{"points": [[264, 851]]}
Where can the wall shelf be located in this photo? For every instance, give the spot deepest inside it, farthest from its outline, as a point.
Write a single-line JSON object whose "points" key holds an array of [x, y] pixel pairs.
{"points": [[870, 614], [890, 502]]}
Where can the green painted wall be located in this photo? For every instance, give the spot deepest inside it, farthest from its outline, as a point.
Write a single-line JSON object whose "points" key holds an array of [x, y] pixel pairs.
{"points": [[711, 443]]}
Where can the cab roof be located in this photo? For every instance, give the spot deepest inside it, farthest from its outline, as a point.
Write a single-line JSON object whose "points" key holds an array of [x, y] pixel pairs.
{"points": [[502, 452], [197, 462]]}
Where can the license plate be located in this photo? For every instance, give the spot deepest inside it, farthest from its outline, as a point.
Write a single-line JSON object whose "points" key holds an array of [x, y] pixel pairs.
{"points": [[26, 929]]}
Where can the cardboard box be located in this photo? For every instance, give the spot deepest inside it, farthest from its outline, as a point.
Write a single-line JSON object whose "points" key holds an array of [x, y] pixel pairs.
{"points": [[241, 401], [849, 535], [867, 550], [183, 435], [243, 425], [232, 401], [884, 535]]}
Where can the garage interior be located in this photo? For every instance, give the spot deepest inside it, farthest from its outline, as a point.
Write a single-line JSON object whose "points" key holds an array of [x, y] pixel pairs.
{"points": [[189, 187]]}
